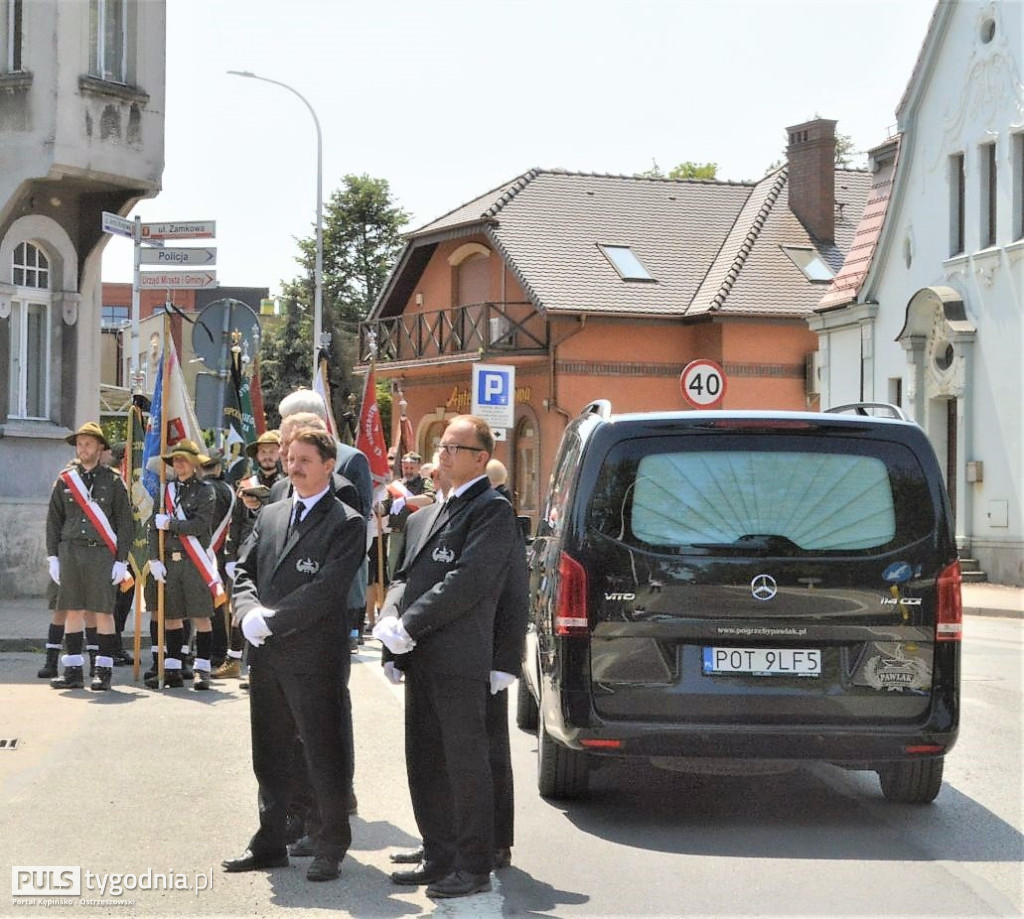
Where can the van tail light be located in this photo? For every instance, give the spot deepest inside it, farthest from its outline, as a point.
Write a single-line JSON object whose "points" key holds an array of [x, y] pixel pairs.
{"points": [[571, 617], [950, 611]]}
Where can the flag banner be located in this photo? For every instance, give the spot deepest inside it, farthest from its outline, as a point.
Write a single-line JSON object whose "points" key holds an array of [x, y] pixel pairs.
{"points": [[180, 423], [259, 414], [320, 385], [239, 425], [370, 438], [142, 500]]}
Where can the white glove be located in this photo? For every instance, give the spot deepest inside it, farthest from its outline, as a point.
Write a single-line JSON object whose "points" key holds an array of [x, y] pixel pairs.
{"points": [[158, 570], [54, 568], [392, 633], [500, 681], [393, 674], [162, 521], [398, 505], [254, 625], [229, 569], [119, 572]]}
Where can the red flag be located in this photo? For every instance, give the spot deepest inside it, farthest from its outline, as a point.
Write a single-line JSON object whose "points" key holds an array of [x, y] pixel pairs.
{"points": [[256, 397], [370, 438]]}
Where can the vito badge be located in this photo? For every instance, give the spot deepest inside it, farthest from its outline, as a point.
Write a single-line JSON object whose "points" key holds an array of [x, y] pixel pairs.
{"points": [[443, 554], [307, 566]]}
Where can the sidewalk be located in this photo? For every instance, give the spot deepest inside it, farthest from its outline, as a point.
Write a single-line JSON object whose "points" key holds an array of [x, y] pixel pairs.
{"points": [[23, 621]]}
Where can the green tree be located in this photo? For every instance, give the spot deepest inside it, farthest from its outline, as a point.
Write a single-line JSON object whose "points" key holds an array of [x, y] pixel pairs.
{"points": [[285, 359], [362, 240], [687, 170]]}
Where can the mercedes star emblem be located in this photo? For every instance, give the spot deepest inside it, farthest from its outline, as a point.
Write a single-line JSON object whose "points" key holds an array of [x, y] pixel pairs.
{"points": [[763, 587]]}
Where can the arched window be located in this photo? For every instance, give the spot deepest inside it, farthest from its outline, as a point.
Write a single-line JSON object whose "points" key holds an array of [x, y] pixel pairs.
{"points": [[31, 306]]}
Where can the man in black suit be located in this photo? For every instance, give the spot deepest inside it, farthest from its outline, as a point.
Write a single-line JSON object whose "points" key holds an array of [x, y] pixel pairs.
{"points": [[440, 611], [300, 557]]}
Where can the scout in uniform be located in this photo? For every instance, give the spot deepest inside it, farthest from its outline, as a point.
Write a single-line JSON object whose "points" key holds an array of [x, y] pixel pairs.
{"points": [[253, 491], [220, 545], [88, 535], [186, 515]]}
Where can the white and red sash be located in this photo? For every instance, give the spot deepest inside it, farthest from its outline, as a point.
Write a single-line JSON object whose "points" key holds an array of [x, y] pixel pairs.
{"points": [[203, 559], [94, 512], [221, 533]]}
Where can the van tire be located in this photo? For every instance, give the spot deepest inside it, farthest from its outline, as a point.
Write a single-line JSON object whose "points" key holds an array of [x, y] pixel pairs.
{"points": [[562, 773], [913, 782], [526, 707]]}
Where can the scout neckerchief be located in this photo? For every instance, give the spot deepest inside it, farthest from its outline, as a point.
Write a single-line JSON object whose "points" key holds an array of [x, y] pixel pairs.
{"points": [[92, 510], [206, 566]]}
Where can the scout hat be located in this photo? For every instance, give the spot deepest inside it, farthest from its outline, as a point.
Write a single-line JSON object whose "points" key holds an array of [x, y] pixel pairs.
{"points": [[93, 430], [211, 458], [187, 449], [267, 437]]}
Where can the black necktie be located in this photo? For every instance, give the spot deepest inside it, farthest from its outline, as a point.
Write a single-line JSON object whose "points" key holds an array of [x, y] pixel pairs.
{"points": [[300, 509]]}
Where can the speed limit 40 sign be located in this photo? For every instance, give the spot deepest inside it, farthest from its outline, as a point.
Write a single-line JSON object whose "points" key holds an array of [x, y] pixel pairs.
{"points": [[703, 384]]}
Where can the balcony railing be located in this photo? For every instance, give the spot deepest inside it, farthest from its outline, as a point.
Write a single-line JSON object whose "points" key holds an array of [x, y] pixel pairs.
{"points": [[487, 328]]}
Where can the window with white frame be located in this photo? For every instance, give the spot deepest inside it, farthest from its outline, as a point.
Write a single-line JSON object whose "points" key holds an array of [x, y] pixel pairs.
{"points": [[1018, 186], [989, 191], [29, 380], [108, 40], [957, 214], [10, 35]]}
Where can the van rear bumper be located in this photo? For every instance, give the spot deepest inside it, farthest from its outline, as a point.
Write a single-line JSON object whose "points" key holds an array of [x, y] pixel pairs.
{"points": [[862, 746]]}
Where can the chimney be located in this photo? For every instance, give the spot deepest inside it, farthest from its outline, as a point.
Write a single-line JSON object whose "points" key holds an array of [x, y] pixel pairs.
{"points": [[812, 184]]}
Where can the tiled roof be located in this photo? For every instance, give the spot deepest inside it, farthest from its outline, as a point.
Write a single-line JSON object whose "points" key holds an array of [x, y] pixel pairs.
{"points": [[846, 285], [712, 247], [757, 277], [550, 231]]}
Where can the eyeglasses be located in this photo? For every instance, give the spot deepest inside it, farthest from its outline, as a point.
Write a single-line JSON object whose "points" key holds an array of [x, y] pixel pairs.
{"points": [[453, 449]]}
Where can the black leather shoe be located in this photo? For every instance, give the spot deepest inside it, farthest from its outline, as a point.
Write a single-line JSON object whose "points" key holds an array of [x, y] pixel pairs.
{"points": [[426, 873], [172, 680], [250, 861], [294, 828], [407, 856], [502, 858], [460, 884], [303, 848], [323, 868]]}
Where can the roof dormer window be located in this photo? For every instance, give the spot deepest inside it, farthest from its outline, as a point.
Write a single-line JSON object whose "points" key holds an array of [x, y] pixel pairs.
{"points": [[810, 263], [626, 263]]}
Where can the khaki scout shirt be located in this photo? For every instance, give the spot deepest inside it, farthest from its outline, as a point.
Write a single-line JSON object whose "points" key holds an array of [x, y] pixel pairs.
{"points": [[199, 502], [67, 522]]}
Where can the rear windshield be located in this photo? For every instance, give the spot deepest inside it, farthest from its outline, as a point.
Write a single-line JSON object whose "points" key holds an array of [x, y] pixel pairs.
{"points": [[778, 495]]}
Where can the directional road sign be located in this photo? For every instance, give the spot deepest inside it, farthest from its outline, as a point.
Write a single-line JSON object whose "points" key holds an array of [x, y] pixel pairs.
{"points": [[182, 229], [177, 280], [172, 258], [119, 226], [494, 388], [703, 384]]}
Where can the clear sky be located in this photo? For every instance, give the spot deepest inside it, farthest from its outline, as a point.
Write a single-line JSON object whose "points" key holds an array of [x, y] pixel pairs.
{"points": [[447, 99]]}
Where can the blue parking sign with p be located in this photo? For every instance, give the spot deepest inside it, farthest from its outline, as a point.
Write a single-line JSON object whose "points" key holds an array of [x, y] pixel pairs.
{"points": [[494, 394]]}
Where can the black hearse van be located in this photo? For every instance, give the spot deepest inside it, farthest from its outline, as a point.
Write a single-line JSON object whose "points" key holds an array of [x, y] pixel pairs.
{"points": [[744, 590]]}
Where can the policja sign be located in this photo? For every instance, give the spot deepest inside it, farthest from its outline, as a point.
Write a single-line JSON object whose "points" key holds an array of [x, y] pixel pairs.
{"points": [[494, 387]]}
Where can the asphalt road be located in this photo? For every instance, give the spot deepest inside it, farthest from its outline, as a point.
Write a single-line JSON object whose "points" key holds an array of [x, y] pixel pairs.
{"points": [[133, 781]]}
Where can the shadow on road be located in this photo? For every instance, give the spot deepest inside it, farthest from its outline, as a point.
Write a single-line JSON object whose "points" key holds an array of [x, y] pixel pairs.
{"points": [[816, 812]]}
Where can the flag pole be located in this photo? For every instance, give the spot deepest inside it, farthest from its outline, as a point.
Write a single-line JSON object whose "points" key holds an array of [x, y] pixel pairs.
{"points": [[134, 416], [162, 503]]}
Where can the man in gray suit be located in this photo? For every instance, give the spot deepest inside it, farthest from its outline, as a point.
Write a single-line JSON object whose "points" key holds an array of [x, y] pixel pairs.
{"points": [[439, 612], [300, 557]]}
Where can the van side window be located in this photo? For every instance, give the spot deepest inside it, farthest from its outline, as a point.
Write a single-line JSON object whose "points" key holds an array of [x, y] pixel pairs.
{"points": [[553, 519]]}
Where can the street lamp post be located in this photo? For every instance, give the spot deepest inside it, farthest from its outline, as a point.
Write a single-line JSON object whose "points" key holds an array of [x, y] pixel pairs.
{"points": [[318, 266]]}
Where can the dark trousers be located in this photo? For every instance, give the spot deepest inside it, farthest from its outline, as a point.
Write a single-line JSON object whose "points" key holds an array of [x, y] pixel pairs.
{"points": [[282, 705], [446, 755], [501, 769]]}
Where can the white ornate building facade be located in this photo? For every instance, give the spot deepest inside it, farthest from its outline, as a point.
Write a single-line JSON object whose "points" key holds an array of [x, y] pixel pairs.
{"points": [[928, 311], [81, 132]]}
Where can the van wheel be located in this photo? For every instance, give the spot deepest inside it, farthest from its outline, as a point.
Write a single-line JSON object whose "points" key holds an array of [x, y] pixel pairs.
{"points": [[526, 707], [561, 772], [916, 782]]}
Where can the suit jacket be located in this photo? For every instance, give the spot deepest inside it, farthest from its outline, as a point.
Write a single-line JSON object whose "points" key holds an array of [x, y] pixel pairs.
{"points": [[512, 613], [304, 579], [354, 466], [447, 587]]}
